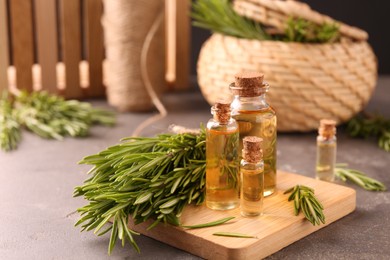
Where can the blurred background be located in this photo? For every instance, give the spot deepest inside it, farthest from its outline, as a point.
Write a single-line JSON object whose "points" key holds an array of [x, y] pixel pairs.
{"points": [[371, 16]]}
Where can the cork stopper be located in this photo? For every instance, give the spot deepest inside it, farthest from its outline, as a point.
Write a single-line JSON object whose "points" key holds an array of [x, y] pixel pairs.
{"points": [[252, 151], [327, 128], [221, 111], [248, 84]]}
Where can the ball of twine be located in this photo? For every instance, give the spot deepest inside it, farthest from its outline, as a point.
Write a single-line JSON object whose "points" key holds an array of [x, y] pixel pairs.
{"points": [[126, 26]]}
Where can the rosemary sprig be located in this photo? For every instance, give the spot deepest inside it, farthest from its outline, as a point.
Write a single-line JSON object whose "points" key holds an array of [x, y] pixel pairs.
{"points": [[369, 125], [219, 16], [50, 116], [358, 177], [305, 201], [9, 127], [145, 177]]}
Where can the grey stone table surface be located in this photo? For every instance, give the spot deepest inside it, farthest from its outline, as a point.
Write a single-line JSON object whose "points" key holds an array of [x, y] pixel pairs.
{"points": [[37, 210]]}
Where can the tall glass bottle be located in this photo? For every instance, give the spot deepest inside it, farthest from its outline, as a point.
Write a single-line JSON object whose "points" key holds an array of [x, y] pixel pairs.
{"points": [[256, 117], [326, 150], [252, 177], [222, 163]]}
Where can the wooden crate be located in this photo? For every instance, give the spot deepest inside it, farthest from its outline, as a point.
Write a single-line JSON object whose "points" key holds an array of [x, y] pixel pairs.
{"points": [[57, 46], [48, 55]]}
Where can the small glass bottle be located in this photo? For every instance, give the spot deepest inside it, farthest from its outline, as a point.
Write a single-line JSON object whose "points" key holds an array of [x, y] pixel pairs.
{"points": [[256, 117], [222, 161], [252, 177], [326, 150]]}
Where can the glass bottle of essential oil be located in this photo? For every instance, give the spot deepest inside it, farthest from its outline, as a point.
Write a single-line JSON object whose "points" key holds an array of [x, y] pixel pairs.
{"points": [[252, 177], [326, 150], [222, 161], [256, 117]]}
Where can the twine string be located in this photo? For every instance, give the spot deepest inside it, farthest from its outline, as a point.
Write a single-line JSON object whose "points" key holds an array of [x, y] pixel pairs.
{"points": [[145, 77]]}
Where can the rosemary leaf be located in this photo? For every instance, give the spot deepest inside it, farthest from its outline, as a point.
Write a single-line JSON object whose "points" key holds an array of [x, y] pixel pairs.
{"points": [[210, 224], [305, 201], [233, 234], [359, 178]]}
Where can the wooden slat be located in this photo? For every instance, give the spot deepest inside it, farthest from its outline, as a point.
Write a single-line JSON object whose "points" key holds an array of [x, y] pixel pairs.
{"points": [[177, 28], [71, 46], [94, 33], [22, 41], [46, 24], [182, 44], [4, 50], [170, 45]]}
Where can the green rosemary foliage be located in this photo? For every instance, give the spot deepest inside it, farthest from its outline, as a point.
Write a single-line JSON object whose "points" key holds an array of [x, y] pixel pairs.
{"points": [[368, 125], [220, 17], [53, 117], [305, 201], [301, 30], [9, 128], [146, 178], [358, 177]]}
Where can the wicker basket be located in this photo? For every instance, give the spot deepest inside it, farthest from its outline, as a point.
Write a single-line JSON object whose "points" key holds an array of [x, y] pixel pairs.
{"points": [[308, 82]]}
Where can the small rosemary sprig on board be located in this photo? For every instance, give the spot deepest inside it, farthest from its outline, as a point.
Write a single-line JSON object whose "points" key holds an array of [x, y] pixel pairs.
{"points": [[48, 116], [9, 127], [305, 201], [358, 177], [219, 16], [145, 178], [369, 125]]}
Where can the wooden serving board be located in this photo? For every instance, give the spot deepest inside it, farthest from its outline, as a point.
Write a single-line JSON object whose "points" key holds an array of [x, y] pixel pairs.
{"points": [[277, 228]]}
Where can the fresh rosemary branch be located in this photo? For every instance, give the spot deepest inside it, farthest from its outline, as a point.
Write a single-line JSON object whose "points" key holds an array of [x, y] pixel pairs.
{"points": [[367, 125], [9, 127], [146, 178], [305, 201], [219, 16], [358, 177], [50, 116]]}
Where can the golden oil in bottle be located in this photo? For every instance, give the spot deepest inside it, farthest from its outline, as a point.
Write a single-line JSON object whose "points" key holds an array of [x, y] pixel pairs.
{"points": [[252, 177], [326, 150], [256, 117], [222, 165]]}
